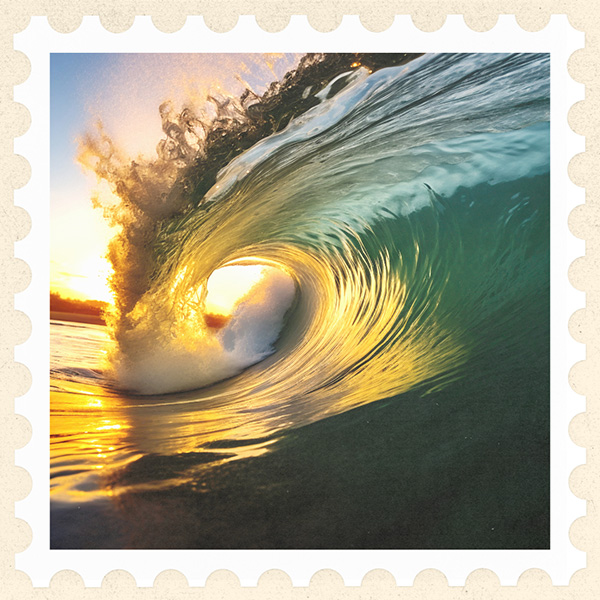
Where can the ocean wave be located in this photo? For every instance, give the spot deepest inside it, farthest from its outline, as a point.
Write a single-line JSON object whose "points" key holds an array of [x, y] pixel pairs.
{"points": [[403, 221]]}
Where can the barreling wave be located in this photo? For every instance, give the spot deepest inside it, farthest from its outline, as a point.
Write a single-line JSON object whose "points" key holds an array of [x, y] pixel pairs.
{"points": [[401, 214]]}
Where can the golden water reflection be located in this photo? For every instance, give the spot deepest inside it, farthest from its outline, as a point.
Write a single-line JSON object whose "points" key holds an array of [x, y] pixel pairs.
{"points": [[103, 444]]}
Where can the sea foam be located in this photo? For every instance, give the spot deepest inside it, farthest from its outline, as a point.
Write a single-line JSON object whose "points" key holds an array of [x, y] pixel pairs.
{"points": [[198, 359]]}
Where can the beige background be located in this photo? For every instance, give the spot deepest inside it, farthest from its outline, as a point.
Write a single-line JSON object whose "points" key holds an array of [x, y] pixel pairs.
{"points": [[324, 15]]}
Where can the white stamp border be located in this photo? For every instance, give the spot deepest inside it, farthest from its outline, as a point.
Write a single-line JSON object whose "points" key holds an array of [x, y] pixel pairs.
{"points": [[41, 563]]}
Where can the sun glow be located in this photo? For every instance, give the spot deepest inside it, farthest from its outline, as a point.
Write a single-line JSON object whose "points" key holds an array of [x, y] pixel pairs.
{"points": [[89, 281], [227, 286]]}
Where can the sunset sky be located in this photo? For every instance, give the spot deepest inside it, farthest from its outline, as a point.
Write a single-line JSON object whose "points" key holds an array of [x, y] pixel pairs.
{"points": [[124, 91]]}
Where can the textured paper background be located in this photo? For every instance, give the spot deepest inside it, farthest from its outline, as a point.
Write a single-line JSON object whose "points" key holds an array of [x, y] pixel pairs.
{"points": [[584, 274]]}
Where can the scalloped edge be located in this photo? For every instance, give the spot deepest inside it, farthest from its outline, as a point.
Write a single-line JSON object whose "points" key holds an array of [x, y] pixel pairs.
{"points": [[479, 581]]}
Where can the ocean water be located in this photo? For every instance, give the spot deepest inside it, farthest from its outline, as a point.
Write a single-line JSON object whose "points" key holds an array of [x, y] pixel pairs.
{"points": [[384, 385]]}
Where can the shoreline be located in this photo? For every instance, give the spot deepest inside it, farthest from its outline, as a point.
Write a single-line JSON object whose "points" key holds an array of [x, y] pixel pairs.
{"points": [[76, 317]]}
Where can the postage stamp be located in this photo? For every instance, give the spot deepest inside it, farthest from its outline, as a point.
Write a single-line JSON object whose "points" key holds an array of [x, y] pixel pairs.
{"points": [[299, 301]]}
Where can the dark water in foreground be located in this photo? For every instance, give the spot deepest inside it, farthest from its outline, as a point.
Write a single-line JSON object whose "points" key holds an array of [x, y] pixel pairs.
{"points": [[400, 401], [439, 471]]}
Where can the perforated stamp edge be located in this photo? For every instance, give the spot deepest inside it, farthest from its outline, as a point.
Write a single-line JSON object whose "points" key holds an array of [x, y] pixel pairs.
{"points": [[16, 327]]}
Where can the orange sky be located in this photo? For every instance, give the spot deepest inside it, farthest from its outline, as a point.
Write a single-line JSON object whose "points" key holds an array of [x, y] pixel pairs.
{"points": [[124, 91]]}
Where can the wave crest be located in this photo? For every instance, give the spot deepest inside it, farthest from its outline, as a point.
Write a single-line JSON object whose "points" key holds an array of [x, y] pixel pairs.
{"points": [[405, 213]]}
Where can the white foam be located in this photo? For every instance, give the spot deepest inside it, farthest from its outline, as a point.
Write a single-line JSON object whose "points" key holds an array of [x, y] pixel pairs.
{"points": [[155, 366]]}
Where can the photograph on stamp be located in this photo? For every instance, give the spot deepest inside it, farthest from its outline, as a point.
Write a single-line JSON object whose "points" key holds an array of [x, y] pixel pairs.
{"points": [[300, 301]]}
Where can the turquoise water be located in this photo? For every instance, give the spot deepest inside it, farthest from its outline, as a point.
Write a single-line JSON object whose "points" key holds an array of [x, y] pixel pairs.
{"points": [[400, 401]]}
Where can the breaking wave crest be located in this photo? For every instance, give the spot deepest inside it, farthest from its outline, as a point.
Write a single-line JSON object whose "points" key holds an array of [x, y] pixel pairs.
{"points": [[400, 211]]}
